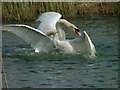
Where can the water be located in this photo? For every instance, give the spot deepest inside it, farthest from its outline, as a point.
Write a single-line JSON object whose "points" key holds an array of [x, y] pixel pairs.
{"points": [[26, 69]]}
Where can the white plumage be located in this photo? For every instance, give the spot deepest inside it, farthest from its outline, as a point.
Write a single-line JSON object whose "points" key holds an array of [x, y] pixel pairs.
{"points": [[48, 21], [51, 25]]}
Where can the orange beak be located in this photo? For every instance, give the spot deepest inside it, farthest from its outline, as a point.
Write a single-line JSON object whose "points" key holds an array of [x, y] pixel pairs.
{"points": [[77, 31]]}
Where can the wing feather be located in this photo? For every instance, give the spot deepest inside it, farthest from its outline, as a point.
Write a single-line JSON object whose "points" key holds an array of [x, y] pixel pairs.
{"points": [[37, 39], [83, 45], [48, 21]]}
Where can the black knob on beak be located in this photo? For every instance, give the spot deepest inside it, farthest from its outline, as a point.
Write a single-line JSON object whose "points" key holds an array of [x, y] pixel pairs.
{"points": [[77, 31]]}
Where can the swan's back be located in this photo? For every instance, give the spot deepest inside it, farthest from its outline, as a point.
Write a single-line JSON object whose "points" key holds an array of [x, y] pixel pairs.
{"points": [[48, 21]]}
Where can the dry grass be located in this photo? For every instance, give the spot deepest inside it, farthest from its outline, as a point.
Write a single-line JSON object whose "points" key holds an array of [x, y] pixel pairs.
{"points": [[29, 11]]}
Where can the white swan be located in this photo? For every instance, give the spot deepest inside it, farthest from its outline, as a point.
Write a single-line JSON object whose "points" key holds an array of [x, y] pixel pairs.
{"points": [[50, 35]]}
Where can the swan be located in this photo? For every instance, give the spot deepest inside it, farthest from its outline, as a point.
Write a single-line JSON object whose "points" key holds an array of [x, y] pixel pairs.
{"points": [[49, 35]]}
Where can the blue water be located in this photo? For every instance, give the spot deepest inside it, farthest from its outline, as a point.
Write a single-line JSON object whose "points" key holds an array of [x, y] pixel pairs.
{"points": [[26, 69]]}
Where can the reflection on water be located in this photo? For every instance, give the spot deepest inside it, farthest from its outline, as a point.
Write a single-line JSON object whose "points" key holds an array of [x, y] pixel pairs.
{"points": [[26, 69]]}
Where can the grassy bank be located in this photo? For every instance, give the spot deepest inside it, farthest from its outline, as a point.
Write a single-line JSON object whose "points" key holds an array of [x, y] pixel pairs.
{"points": [[29, 11]]}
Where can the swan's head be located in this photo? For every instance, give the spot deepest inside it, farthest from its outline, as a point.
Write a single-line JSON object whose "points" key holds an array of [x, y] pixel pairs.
{"points": [[70, 26], [75, 29]]}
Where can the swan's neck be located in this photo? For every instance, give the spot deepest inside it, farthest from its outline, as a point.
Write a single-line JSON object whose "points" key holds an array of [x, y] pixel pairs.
{"points": [[61, 34]]}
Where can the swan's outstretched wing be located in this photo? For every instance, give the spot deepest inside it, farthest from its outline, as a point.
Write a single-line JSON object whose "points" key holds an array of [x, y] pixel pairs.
{"points": [[37, 39], [48, 21], [83, 45]]}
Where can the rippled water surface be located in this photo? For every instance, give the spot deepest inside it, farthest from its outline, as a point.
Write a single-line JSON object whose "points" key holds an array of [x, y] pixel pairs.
{"points": [[26, 69]]}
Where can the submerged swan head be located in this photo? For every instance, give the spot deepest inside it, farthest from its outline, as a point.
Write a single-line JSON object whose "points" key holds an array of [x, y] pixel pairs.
{"points": [[69, 25]]}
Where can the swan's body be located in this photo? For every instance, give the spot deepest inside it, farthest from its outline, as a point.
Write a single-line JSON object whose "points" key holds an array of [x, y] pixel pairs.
{"points": [[49, 35]]}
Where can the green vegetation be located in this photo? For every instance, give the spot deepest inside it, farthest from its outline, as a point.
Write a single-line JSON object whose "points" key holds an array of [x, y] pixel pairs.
{"points": [[29, 11]]}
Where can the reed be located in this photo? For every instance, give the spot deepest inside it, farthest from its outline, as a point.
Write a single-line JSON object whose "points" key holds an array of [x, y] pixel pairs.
{"points": [[29, 11]]}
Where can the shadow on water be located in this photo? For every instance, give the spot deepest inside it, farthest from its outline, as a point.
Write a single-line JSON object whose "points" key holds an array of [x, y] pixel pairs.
{"points": [[29, 55]]}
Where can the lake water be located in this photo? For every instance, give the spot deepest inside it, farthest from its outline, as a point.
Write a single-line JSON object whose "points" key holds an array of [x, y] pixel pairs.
{"points": [[26, 69]]}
